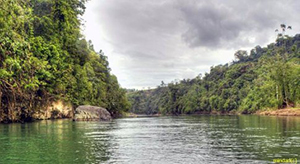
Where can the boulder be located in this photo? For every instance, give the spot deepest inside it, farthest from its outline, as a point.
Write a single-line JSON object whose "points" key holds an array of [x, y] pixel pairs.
{"points": [[91, 113]]}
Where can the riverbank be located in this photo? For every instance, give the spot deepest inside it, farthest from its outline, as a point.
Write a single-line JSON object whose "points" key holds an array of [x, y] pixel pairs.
{"points": [[133, 115], [280, 112]]}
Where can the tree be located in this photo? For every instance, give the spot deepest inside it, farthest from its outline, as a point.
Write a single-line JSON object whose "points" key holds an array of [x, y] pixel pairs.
{"points": [[241, 55], [44, 58]]}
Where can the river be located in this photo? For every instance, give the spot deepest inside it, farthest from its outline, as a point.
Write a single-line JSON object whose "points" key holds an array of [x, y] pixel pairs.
{"points": [[182, 139]]}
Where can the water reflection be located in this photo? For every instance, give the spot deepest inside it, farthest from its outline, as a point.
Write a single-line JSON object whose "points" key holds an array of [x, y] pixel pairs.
{"points": [[190, 139], [60, 141]]}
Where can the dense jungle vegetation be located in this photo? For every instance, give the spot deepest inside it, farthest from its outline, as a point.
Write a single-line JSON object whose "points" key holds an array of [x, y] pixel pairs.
{"points": [[267, 78], [44, 58]]}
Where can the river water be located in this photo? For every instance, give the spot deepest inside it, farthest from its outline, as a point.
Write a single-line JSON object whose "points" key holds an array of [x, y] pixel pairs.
{"points": [[182, 139]]}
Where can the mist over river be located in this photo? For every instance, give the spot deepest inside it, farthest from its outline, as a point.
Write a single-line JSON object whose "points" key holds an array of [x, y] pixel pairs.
{"points": [[181, 139]]}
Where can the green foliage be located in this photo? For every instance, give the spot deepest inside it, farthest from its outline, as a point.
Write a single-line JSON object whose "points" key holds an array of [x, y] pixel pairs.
{"points": [[268, 78], [44, 57]]}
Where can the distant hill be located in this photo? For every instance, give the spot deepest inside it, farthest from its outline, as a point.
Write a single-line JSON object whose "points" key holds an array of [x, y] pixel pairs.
{"points": [[267, 78]]}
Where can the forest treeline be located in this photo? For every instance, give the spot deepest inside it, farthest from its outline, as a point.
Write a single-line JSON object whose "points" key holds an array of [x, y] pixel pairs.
{"points": [[45, 58], [267, 78]]}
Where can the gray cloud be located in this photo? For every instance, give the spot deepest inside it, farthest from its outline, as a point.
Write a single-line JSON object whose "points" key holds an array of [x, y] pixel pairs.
{"points": [[210, 24], [149, 41], [218, 24]]}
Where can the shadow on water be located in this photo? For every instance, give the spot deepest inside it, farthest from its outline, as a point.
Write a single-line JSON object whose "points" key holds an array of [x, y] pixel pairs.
{"points": [[183, 139]]}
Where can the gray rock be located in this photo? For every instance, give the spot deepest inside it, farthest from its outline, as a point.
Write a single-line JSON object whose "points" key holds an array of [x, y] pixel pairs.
{"points": [[91, 113]]}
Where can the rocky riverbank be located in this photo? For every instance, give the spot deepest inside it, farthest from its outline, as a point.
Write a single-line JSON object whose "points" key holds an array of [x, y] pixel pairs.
{"points": [[56, 110]]}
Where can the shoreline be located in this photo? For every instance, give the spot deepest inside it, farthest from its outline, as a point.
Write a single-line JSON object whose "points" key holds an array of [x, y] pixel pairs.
{"points": [[279, 112]]}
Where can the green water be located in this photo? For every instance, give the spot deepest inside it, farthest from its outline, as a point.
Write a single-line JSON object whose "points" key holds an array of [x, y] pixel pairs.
{"points": [[184, 139]]}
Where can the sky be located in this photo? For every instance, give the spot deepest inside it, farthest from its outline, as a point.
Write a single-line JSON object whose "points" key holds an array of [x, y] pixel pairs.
{"points": [[149, 41]]}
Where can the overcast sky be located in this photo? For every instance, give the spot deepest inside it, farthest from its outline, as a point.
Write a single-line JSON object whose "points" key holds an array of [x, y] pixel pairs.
{"points": [[149, 41]]}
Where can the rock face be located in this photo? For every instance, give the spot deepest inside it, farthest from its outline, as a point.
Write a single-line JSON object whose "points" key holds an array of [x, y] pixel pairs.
{"points": [[91, 113], [56, 110]]}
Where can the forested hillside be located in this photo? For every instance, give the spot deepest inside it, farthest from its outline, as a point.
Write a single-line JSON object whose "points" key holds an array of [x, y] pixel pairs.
{"points": [[44, 58], [267, 78]]}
